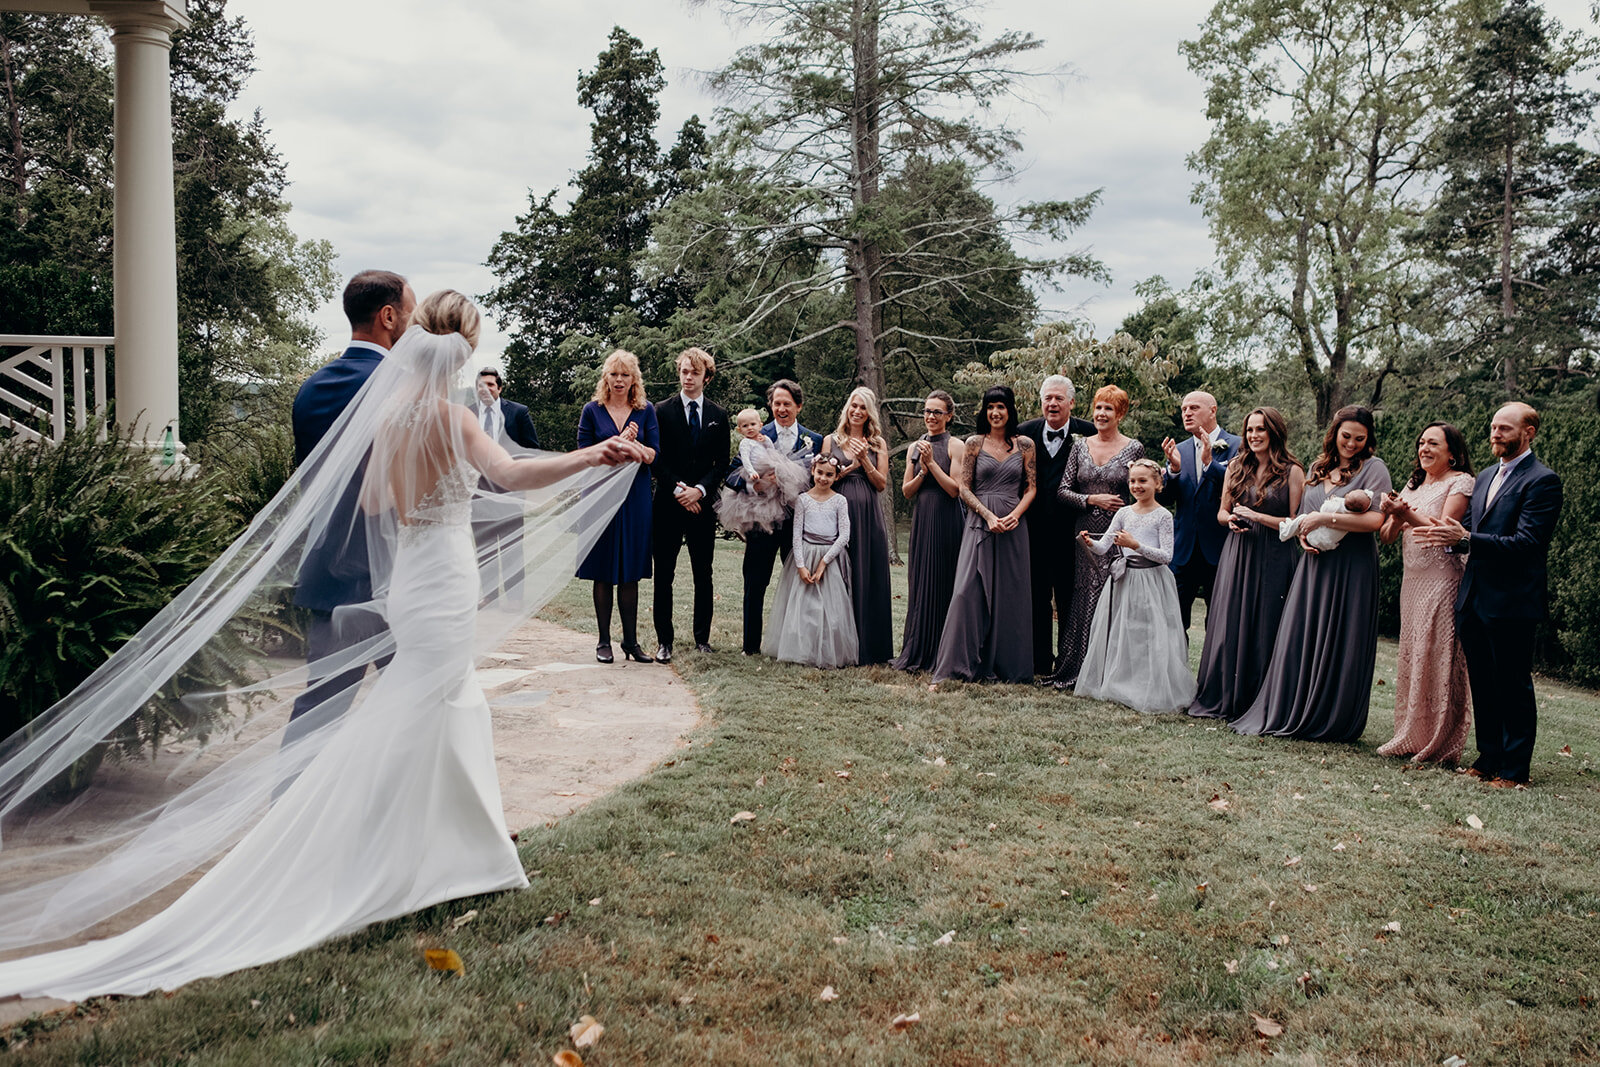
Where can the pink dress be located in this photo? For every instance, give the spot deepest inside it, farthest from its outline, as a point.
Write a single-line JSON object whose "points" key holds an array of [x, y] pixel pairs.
{"points": [[1431, 710]]}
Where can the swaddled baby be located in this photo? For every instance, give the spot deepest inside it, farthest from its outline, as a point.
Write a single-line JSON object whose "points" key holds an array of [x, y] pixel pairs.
{"points": [[1326, 538]]}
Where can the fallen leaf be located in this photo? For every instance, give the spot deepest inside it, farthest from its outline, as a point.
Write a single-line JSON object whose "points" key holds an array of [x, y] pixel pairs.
{"points": [[1453, 1061], [1217, 803], [1272, 965], [840, 940], [566, 793], [686, 1000], [1292, 861], [1154, 998], [939, 761], [827, 993], [1202, 887], [567, 1058], [1299, 796], [1266, 1027], [946, 938], [761, 781], [1566, 750], [463, 919], [585, 1031], [595, 903], [903, 1022], [1309, 888], [1281, 940], [255, 1003], [1231, 966], [1392, 928], [743, 816], [1474, 822], [1338, 846], [993, 827], [445, 959], [841, 774]]}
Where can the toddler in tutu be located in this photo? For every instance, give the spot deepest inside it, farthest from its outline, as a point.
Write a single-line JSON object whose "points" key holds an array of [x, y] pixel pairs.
{"points": [[761, 506], [1138, 653], [1326, 538], [812, 618]]}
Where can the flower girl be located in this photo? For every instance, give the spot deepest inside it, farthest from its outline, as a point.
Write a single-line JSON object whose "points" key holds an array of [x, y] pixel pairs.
{"points": [[1138, 654], [763, 508], [812, 619]]}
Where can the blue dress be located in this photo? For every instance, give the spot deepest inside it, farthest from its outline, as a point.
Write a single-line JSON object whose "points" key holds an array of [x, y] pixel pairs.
{"points": [[622, 554]]}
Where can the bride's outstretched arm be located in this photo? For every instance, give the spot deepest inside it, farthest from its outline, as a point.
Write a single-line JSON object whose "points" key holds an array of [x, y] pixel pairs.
{"points": [[534, 472]]}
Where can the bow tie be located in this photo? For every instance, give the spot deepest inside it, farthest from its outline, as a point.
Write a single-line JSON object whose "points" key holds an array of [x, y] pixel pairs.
{"points": [[1055, 435]]}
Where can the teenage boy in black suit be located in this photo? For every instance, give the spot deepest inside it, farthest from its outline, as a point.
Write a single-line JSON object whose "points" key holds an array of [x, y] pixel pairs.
{"points": [[689, 466], [1050, 520], [1510, 523]]}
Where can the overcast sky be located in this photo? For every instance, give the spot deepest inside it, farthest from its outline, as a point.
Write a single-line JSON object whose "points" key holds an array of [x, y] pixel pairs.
{"points": [[413, 130]]}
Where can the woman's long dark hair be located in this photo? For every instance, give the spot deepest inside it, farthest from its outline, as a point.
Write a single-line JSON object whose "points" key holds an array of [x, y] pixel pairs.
{"points": [[998, 394], [1242, 470], [1454, 441], [1328, 462]]}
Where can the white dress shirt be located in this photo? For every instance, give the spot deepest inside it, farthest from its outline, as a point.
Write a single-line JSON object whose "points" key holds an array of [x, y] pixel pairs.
{"points": [[1053, 444], [788, 436], [493, 420], [1500, 476]]}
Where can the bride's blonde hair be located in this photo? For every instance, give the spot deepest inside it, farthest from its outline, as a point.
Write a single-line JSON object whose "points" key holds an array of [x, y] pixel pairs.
{"points": [[447, 311]]}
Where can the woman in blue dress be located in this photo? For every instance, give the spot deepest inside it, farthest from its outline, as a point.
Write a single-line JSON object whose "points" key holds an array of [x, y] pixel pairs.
{"points": [[622, 554]]}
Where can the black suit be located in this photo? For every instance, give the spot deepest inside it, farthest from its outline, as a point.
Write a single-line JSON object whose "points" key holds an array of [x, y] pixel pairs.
{"points": [[1502, 597], [701, 464], [1050, 554]]}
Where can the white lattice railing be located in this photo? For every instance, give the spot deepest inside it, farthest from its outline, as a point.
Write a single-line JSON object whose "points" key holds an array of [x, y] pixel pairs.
{"points": [[49, 377]]}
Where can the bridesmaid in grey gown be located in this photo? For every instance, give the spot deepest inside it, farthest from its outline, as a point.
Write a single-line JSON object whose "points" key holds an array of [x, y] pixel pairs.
{"points": [[1095, 483], [933, 466], [1263, 488], [989, 634], [1320, 679]]}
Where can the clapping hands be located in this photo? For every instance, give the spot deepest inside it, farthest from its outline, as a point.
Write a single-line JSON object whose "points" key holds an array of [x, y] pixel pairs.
{"points": [[1174, 461]]}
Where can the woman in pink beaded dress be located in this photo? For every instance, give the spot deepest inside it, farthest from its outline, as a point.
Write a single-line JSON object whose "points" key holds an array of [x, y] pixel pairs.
{"points": [[1431, 710]]}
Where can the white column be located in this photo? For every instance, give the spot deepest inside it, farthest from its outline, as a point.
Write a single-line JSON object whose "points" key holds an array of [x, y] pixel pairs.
{"points": [[145, 258]]}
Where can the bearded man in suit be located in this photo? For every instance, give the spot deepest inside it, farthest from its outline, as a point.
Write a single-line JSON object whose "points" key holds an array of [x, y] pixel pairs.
{"points": [[1503, 595], [378, 304], [762, 549], [1195, 471], [690, 464], [1050, 520]]}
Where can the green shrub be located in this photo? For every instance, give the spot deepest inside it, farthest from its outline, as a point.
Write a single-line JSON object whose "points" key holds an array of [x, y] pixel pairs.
{"points": [[95, 541]]}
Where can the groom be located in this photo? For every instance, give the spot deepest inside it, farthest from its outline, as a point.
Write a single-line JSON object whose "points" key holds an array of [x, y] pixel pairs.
{"points": [[762, 549], [334, 572]]}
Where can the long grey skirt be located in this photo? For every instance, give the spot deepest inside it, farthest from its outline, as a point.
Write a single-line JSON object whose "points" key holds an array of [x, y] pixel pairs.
{"points": [[813, 624]]}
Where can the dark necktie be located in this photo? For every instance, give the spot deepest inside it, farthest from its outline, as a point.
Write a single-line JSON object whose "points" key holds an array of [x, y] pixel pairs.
{"points": [[694, 421]]}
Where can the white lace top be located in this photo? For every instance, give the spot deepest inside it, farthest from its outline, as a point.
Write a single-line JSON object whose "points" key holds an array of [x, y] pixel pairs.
{"points": [[826, 522], [1153, 531]]}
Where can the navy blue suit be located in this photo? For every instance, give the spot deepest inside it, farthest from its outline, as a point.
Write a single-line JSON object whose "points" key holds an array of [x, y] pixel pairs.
{"points": [[1197, 536], [762, 549], [518, 423], [1502, 597], [334, 570]]}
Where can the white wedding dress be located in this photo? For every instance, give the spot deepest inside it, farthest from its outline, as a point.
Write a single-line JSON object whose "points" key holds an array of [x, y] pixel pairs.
{"points": [[399, 811]]}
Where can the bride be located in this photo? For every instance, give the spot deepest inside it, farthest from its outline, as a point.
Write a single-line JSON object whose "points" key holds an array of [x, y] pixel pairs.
{"points": [[362, 814]]}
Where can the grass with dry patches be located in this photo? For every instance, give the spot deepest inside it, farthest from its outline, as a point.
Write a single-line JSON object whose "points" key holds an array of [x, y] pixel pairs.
{"points": [[1121, 889]]}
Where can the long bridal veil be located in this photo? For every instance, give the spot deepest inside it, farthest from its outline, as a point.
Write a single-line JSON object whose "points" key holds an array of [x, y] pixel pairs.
{"points": [[184, 735]]}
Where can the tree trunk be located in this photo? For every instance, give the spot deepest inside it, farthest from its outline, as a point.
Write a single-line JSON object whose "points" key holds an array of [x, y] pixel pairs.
{"points": [[1508, 299], [19, 153]]}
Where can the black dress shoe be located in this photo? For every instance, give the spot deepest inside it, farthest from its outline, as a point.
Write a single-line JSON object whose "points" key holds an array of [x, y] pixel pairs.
{"points": [[603, 653], [663, 653], [633, 651], [701, 646]]}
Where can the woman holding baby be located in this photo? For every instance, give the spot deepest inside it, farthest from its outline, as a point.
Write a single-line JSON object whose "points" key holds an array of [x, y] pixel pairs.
{"points": [[1320, 677]]}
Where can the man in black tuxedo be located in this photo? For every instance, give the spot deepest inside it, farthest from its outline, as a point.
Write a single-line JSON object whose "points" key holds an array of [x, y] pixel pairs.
{"points": [[762, 549], [498, 416], [689, 466], [378, 304], [1050, 520], [1510, 523]]}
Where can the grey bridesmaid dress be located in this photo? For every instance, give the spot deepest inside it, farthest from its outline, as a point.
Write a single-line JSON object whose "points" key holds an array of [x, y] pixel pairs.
{"points": [[989, 633], [930, 564], [1319, 682]]}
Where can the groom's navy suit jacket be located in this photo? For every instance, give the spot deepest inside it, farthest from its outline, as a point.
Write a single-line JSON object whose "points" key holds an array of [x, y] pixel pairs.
{"points": [[1507, 562], [1198, 496], [334, 570]]}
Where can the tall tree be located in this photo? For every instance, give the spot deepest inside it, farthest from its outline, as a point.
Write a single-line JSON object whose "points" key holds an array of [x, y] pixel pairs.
{"points": [[1324, 121], [567, 274], [1513, 182], [843, 103]]}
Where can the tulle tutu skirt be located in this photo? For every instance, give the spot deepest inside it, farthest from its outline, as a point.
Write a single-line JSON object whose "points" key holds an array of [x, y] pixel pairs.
{"points": [[813, 624], [1137, 653], [743, 511]]}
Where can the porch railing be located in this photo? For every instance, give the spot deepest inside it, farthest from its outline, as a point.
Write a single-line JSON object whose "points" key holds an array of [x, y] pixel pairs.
{"points": [[51, 379]]}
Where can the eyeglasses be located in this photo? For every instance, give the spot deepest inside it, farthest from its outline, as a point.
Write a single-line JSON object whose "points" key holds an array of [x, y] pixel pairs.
{"points": [[933, 411]]}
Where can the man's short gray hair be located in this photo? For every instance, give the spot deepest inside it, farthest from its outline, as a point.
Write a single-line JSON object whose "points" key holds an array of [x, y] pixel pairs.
{"points": [[1061, 380]]}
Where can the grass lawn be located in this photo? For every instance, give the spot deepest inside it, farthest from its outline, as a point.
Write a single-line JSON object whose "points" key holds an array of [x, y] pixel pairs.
{"points": [[1116, 889]]}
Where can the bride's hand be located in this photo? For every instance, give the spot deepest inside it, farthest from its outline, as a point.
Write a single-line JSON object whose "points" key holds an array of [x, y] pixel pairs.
{"points": [[614, 451]]}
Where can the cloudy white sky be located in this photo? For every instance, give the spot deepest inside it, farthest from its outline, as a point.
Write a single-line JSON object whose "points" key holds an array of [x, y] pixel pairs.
{"points": [[413, 129]]}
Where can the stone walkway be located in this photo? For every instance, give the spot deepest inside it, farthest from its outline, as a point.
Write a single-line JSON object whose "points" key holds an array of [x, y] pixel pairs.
{"points": [[566, 730]]}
